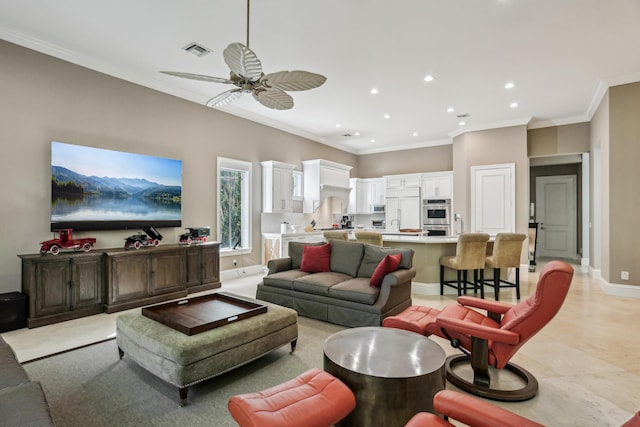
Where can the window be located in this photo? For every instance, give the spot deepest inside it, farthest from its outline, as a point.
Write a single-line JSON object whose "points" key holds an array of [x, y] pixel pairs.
{"points": [[234, 207]]}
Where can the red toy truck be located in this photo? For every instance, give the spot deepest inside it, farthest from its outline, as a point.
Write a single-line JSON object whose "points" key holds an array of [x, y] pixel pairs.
{"points": [[65, 240]]}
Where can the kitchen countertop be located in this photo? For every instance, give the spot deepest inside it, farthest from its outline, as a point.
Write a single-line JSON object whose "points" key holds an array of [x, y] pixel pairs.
{"points": [[387, 236]]}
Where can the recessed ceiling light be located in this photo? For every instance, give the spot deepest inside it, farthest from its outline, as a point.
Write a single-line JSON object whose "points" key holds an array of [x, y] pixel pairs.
{"points": [[509, 85], [374, 91], [461, 123], [387, 116], [450, 110], [428, 78], [513, 105], [338, 125], [357, 134], [373, 140], [415, 134]]}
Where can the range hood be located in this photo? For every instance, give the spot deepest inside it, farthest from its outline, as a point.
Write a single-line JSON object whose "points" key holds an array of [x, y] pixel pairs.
{"points": [[326, 186]]}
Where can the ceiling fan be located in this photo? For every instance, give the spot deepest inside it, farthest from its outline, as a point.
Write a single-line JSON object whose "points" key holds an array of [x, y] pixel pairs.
{"points": [[246, 73]]}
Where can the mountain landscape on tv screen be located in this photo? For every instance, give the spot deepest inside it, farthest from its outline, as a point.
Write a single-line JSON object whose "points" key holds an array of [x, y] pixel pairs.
{"points": [[67, 183]]}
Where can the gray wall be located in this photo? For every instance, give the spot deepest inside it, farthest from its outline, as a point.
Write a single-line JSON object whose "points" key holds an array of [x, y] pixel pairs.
{"points": [[624, 176], [44, 99]]}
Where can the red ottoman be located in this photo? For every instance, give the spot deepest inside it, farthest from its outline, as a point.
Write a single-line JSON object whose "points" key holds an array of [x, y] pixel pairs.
{"points": [[313, 399], [415, 319]]}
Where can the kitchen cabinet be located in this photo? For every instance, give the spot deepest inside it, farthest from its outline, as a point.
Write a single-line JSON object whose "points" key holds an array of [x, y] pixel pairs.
{"points": [[403, 209], [276, 245], [437, 185], [277, 187], [352, 207], [323, 179], [365, 193], [403, 181], [378, 193], [62, 287]]}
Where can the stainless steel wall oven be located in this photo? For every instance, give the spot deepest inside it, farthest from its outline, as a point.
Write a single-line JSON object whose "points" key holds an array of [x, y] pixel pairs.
{"points": [[436, 216]]}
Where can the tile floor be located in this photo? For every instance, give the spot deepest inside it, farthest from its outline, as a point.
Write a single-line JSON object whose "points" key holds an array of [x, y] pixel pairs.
{"points": [[586, 360]]}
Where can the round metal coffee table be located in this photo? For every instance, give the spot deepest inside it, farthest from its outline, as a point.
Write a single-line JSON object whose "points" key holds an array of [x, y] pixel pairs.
{"points": [[393, 373]]}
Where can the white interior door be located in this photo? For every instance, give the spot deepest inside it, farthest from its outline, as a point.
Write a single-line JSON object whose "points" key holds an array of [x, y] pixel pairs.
{"points": [[493, 198], [556, 197]]}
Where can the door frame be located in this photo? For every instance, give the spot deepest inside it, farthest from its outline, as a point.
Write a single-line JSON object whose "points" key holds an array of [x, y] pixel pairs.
{"points": [[572, 181]]}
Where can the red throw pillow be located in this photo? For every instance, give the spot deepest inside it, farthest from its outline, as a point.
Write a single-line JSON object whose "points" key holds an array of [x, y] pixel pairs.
{"points": [[388, 264], [316, 258]]}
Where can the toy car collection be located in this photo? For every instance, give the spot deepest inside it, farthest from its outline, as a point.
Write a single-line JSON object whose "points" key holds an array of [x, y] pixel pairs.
{"points": [[195, 235], [151, 238], [65, 240]]}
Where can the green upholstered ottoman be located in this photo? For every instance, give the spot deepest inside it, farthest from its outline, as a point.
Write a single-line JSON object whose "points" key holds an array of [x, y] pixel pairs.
{"points": [[184, 360]]}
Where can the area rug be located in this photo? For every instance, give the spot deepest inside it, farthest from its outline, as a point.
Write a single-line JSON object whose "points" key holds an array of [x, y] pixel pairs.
{"points": [[91, 386]]}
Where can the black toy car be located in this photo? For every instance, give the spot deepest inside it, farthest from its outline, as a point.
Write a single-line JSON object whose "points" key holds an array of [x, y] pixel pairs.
{"points": [[195, 235], [151, 238]]}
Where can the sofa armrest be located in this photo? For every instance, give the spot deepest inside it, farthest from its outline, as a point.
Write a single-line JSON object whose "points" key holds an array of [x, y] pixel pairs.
{"points": [[279, 264], [399, 276]]}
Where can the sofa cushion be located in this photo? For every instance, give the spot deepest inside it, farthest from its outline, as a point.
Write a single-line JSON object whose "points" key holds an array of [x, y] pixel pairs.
{"points": [[374, 254], [388, 264], [24, 405], [319, 283], [356, 290], [11, 372], [346, 257], [316, 259], [283, 279], [295, 252]]}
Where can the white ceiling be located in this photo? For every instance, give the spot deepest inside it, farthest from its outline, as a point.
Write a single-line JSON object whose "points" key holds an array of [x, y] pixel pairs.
{"points": [[560, 54]]}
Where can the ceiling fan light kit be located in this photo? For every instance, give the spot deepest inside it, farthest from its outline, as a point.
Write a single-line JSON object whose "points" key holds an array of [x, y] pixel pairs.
{"points": [[246, 74]]}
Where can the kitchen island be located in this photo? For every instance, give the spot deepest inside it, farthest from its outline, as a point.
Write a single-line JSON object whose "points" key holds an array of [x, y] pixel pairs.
{"points": [[426, 259]]}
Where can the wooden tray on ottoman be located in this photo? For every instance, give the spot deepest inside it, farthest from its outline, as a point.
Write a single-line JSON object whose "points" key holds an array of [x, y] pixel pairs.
{"points": [[194, 315]]}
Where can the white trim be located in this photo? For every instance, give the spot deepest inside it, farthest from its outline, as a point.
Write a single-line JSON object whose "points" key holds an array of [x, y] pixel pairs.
{"points": [[234, 273], [247, 167], [615, 289], [429, 289]]}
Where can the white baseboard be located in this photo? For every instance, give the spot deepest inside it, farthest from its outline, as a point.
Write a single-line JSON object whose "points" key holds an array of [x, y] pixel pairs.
{"points": [[429, 289], [615, 289], [235, 273]]}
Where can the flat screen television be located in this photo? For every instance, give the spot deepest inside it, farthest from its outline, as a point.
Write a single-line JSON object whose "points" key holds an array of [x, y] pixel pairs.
{"points": [[98, 189]]}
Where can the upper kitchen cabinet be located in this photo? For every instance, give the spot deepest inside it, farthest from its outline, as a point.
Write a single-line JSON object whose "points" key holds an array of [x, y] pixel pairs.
{"points": [[323, 179], [277, 187], [437, 185], [366, 195], [412, 180]]}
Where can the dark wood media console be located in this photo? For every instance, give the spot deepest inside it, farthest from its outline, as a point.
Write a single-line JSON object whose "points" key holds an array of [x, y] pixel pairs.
{"points": [[72, 284]]}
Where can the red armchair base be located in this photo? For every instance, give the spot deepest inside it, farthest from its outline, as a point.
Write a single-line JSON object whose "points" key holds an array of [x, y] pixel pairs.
{"points": [[481, 384], [313, 399]]}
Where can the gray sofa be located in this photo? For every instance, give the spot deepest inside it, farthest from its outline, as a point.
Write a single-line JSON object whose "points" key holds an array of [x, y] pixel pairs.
{"points": [[343, 295], [22, 402]]}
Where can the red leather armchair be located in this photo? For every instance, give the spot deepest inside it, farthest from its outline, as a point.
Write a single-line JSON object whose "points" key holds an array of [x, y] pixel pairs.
{"points": [[468, 410], [492, 339]]}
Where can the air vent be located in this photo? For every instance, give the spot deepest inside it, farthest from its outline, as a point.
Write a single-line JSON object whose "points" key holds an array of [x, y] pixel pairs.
{"points": [[463, 116], [346, 135], [197, 49]]}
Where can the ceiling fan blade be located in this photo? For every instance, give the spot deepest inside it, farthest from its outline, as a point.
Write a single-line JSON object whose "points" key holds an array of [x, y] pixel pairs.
{"points": [[293, 80], [224, 98], [242, 61], [198, 77], [274, 98]]}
